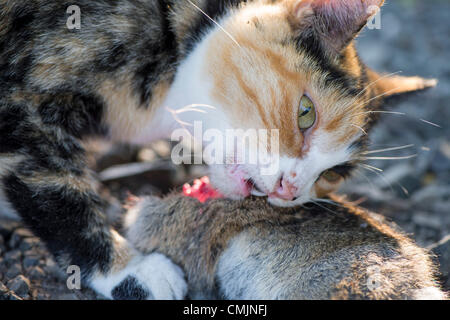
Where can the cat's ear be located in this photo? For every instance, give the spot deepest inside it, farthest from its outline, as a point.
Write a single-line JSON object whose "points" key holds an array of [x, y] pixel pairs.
{"points": [[335, 22], [384, 86]]}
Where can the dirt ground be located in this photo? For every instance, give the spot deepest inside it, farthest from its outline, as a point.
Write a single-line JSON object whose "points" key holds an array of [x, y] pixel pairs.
{"points": [[415, 193]]}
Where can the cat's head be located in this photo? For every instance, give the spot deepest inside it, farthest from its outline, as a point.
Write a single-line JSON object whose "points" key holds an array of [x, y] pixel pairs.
{"points": [[291, 65]]}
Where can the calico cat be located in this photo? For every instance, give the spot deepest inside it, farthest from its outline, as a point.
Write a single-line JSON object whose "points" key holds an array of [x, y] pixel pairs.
{"points": [[250, 250], [128, 73]]}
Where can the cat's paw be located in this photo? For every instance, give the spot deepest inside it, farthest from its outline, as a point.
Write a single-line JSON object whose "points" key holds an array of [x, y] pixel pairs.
{"points": [[145, 278]]}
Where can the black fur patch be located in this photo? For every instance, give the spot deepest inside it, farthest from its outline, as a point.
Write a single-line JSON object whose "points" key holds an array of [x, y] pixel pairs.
{"points": [[147, 76], [344, 169], [159, 55], [130, 289], [309, 43], [112, 58], [78, 114], [49, 148], [14, 127], [15, 39], [66, 220], [214, 9]]}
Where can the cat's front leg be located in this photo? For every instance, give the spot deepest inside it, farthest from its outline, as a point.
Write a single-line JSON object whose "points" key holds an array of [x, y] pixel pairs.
{"points": [[64, 212], [43, 178]]}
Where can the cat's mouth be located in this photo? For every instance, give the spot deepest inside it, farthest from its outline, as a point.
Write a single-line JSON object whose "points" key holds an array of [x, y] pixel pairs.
{"points": [[254, 189]]}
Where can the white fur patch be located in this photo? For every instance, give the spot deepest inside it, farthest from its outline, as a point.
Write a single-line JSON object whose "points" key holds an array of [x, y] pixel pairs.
{"points": [[429, 293], [6, 210], [188, 100], [161, 276], [242, 277]]}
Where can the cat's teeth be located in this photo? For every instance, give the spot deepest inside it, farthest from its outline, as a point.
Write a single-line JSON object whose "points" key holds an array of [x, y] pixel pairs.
{"points": [[257, 193]]}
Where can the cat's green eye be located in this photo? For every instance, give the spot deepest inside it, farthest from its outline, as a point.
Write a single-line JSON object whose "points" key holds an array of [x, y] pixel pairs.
{"points": [[306, 113], [331, 176]]}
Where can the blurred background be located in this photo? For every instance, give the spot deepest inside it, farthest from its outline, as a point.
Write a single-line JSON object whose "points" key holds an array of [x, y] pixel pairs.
{"points": [[415, 39], [415, 193]]}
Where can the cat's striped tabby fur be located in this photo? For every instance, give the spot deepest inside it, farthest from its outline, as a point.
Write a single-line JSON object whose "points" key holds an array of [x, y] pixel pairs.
{"points": [[264, 65]]}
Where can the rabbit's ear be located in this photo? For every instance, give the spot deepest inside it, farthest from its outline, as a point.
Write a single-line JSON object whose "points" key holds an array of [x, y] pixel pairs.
{"points": [[335, 22], [390, 86]]}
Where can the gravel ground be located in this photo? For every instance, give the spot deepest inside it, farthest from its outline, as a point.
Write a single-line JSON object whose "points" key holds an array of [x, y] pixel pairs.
{"points": [[415, 193]]}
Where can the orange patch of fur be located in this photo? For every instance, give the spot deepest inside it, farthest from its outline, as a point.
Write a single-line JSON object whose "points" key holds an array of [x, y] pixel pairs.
{"points": [[124, 114], [260, 80]]}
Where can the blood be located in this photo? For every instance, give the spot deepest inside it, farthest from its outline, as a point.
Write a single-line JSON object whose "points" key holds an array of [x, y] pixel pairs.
{"points": [[201, 190]]}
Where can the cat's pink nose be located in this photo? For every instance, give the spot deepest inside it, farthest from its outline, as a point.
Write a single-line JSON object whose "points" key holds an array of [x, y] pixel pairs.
{"points": [[285, 190]]}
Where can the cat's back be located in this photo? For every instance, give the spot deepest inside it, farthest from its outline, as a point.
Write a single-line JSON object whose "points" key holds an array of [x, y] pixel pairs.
{"points": [[61, 46]]}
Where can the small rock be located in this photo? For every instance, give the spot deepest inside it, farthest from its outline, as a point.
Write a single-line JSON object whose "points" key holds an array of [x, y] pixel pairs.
{"points": [[36, 273], [42, 296], [7, 227], [30, 261], [427, 220], [441, 159], [162, 148], [20, 285], [12, 257], [14, 241], [54, 270], [28, 243], [3, 288], [24, 232], [430, 193], [13, 271], [18, 235], [13, 296], [147, 155]]}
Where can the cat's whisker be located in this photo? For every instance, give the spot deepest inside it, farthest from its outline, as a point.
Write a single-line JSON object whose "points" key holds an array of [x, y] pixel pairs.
{"points": [[328, 201], [188, 108], [373, 82], [182, 123], [390, 158], [400, 114], [381, 111], [372, 167], [360, 128], [195, 107], [405, 191], [215, 22], [368, 86], [378, 96], [208, 106], [323, 207], [367, 178], [351, 103], [380, 175], [430, 123], [388, 149]]}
